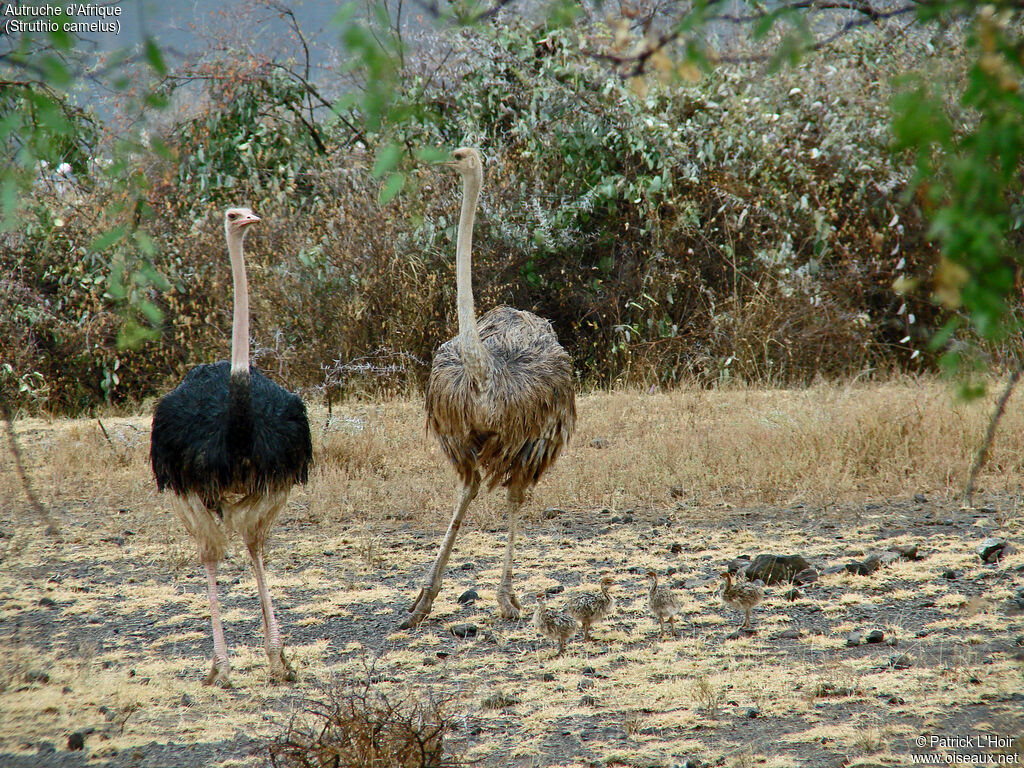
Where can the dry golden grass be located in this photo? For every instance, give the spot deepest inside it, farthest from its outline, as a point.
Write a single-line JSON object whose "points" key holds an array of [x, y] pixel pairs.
{"points": [[828, 471]]}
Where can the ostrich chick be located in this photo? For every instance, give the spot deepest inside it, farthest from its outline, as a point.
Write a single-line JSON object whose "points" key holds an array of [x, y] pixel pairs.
{"points": [[554, 625], [590, 607], [663, 603], [743, 597]]}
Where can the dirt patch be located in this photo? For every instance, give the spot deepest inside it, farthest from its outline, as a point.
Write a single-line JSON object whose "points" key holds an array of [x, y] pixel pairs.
{"points": [[104, 629]]}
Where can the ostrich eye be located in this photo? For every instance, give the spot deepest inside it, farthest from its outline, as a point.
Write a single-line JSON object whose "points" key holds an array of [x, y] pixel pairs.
{"points": [[232, 216]]}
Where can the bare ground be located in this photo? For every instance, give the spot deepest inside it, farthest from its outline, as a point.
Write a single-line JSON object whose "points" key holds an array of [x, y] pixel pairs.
{"points": [[104, 628]]}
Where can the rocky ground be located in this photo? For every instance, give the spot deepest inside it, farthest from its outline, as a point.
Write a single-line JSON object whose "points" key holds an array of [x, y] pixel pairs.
{"points": [[104, 638]]}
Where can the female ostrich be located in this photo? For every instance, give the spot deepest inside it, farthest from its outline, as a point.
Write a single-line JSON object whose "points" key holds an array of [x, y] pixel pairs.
{"points": [[499, 399], [231, 443]]}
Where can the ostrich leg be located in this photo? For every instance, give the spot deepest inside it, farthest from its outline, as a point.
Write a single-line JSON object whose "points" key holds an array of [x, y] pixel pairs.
{"points": [[508, 603], [221, 668], [432, 585], [280, 671]]}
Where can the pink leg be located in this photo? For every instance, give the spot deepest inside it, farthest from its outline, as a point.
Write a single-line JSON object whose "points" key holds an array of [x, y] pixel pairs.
{"points": [[508, 603], [280, 671], [221, 667]]}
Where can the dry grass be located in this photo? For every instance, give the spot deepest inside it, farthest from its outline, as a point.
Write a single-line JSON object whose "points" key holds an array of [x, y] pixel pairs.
{"points": [[835, 467], [822, 445]]}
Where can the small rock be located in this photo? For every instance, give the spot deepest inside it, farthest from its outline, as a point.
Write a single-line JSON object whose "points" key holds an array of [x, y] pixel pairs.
{"points": [[792, 595], [499, 700], [442, 655], [677, 492], [806, 576], [547, 677], [751, 712], [920, 498], [186, 700], [465, 630], [949, 573], [552, 512], [555, 590], [47, 602], [853, 639], [76, 741], [599, 442], [895, 700], [875, 636], [992, 550], [588, 701], [1019, 641], [627, 518], [467, 567], [615, 519], [676, 548], [585, 684], [738, 564], [587, 671], [45, 747], [790, 634], [36, 676], [901, 661], [771, 569], [866, 567], [888, 558], [892, 642], [908, 552], [671, 571], [469, 596]]}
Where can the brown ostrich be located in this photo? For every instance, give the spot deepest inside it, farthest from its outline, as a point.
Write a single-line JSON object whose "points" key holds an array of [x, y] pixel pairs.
{"points": [[590, 607], [663, 603], [742, 596], [499, 400], [230, 444], [553, 624]]}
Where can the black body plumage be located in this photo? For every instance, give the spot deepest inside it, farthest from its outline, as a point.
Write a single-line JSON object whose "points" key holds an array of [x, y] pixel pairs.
{"points": [[218, 433]]}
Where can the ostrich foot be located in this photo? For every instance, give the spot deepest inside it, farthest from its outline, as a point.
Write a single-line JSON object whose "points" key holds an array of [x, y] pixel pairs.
{"points": [[280, 670], [219, 674], [508, 605], [419, 610]]}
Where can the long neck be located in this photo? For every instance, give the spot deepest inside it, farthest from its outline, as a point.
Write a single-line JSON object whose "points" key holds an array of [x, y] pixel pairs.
{"points": [[474, 355], [240, 320]]}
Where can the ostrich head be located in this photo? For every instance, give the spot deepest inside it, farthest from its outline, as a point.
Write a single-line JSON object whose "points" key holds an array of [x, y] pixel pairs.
{"points": [[237, 220], [652, 576], [466, 160], [727, 578], [607, 581]]}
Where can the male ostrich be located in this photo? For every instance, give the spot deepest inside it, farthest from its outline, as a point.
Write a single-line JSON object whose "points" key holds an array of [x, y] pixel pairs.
{"points": [[230, 444], [499, 400]]}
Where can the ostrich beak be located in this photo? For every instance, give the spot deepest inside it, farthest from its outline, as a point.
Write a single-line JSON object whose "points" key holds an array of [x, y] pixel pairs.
{"points": [[250, 218]]}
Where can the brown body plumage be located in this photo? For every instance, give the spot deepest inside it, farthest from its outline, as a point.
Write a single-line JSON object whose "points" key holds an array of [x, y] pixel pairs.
{"points": [[663, 603], [743, 596], [499, 400], [552, 624], [590, 607]]}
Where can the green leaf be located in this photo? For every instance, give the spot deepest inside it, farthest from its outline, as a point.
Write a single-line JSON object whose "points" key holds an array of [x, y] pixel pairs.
{"points": [[432, 155], [108, 238], [154, 57], [392, 186], [387, 159]]}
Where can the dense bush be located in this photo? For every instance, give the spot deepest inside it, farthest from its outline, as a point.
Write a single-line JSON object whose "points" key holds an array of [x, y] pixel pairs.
{"points": [[747, 226]]}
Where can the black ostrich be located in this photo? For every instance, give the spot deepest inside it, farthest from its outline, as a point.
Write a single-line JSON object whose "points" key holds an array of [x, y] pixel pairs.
{"points": [[231, 443]]}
